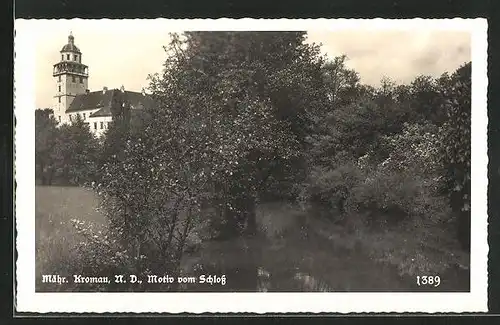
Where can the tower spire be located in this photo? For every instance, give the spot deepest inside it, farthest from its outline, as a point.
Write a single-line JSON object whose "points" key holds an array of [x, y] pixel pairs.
{"points": [[71, 38]]}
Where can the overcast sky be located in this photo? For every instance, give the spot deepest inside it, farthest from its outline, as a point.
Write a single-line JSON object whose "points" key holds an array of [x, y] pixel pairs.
{"points": [[125, 56]]}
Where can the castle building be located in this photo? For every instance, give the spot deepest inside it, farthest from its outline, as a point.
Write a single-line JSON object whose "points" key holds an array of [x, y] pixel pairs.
{"points": [[73, 98]]}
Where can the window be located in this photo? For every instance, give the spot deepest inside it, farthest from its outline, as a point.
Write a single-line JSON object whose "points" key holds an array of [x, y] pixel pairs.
{"points": [[76, 57], [95, 125], [84, 116], [67, 56], [81, 80], [59, 88], [73, 78], [70, 117], [102, 125], [59, 78], [109, 124], [59, 99], [62, 56], [59, 119]]}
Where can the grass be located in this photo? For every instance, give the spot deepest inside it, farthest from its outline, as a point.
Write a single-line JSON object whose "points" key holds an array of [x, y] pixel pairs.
{"points": [[55, 235]]}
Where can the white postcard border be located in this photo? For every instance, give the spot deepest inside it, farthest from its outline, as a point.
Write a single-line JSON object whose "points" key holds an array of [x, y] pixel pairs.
{"points": [[29, 301]]}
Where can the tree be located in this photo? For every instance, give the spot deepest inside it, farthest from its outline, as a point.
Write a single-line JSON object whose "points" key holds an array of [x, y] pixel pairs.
{"points": [[76, 152], [428, 102], [341, 83], [45, 140], [256, 94], [152, 183], [457, 146]]}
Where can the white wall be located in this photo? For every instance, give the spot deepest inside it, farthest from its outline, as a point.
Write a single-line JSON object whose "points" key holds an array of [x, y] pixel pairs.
{"points": [[96, 123], [85, 114]]}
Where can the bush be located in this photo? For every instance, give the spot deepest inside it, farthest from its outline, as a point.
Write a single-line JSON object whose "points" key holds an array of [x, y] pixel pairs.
{"points": [[387, 198], [400, 181], [104, 253], [328, 189], [101, 253], [416, 149], [406, 184]]}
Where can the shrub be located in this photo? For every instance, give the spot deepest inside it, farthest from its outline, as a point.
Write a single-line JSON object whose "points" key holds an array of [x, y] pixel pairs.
{"points": [[415, 149], [387, 197], [329, 189], [102, 253], [404, 185]]}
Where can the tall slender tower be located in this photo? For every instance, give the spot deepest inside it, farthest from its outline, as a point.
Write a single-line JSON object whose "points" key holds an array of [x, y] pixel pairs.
{"points": [[71, 79]]}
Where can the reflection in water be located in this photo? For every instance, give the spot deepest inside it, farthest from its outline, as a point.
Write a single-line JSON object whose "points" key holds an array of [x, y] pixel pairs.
{"points": [[258, 266], [309, 283], [263, 280], [304, 282]]}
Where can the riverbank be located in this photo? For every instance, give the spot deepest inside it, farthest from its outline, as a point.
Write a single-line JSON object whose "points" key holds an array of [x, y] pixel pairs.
{"points": [[294, 251], [299, 252]]}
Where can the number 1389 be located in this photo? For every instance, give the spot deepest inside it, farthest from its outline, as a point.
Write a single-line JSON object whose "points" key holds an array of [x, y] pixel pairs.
{"points": [[428, 280]]}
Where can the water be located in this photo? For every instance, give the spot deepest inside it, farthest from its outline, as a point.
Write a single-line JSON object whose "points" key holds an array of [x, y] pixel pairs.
{"points": [[294, 264]]}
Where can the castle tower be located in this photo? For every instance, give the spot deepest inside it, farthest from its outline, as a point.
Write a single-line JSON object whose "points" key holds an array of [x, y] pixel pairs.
{"points": [[71, 79]]}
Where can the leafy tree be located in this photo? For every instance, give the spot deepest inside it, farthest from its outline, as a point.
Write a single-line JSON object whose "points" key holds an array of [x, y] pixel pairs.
{"points": [[457, 146], [45, 140], [341, 83], [116, 134], [256, 94], [76, 152], [351, 131], [427, 101]]}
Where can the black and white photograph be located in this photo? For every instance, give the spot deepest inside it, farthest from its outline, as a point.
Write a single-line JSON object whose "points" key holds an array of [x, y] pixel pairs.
{"points": [[243, 163]]}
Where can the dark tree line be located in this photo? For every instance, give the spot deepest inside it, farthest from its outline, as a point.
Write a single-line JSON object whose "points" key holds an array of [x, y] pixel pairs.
{"points": [[65, 155]]}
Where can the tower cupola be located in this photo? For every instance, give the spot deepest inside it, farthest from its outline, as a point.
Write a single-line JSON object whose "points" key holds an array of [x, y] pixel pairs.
{"points": [[70, 47]]}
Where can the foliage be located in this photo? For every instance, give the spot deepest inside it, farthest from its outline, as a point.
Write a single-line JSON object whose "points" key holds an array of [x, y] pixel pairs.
{"points": [[45, 141], [355, 129], [76, 151], [395, 135], [457, 133], [102, 252], [67, 153], [387, 198], [329, 188], [214, 135], [415, 149], [341, 83], [457, 148], [404, 184], [252, 94], [427, 101]]}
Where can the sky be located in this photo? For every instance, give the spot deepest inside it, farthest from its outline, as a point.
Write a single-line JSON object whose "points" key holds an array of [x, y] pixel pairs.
{"points": [[125, 55]]}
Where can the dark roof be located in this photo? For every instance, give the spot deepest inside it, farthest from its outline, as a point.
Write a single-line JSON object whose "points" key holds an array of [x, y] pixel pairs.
{"points": [[103, 101], [105, 111], [71, 47]]}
